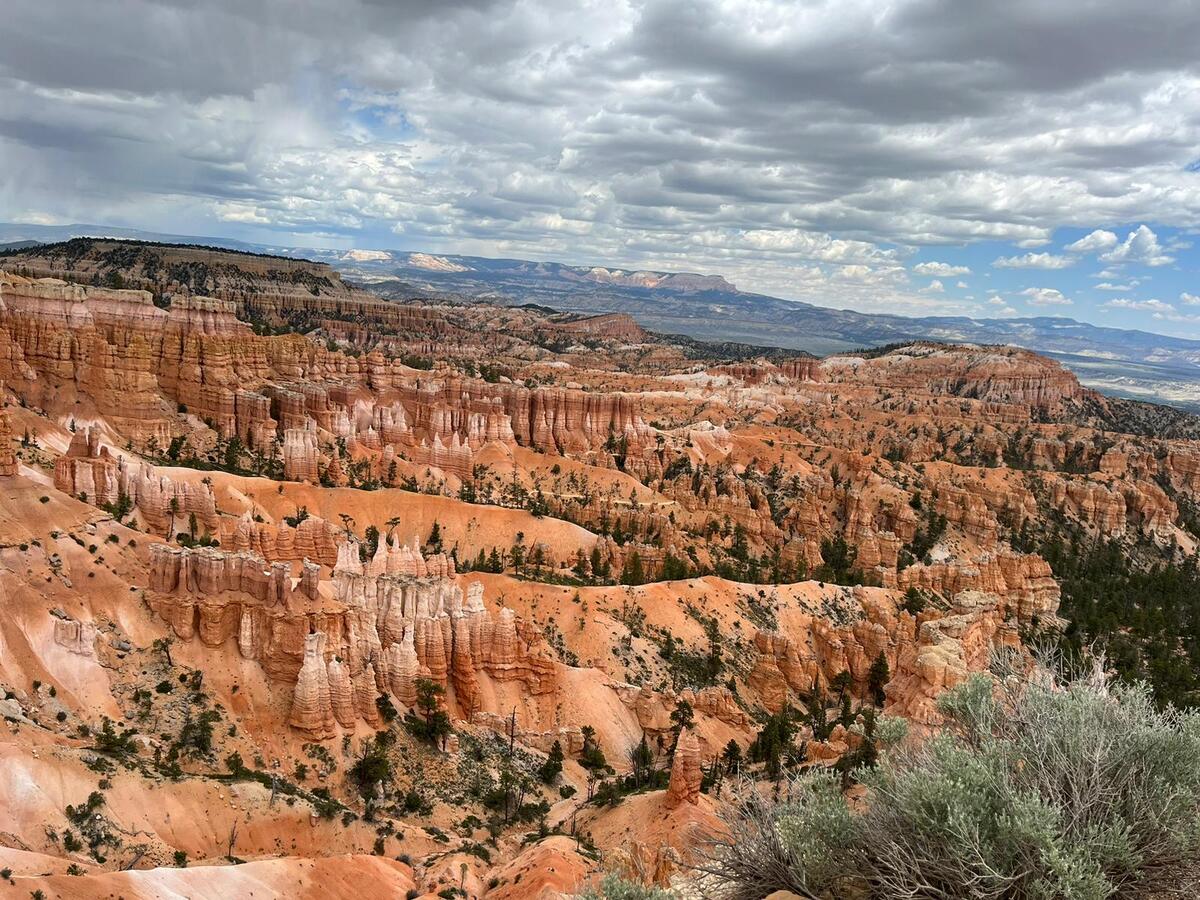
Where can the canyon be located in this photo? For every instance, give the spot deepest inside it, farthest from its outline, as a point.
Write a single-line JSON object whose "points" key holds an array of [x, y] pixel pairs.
{"points": [[483, 599]]}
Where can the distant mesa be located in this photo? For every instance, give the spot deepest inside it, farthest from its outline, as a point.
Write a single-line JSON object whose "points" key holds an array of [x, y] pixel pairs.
{"points": [[366, 256], [435, 263], [661, 280]]}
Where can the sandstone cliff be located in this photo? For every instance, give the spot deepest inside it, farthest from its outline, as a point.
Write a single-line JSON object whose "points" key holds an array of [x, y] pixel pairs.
{"points": [[376, 628]]}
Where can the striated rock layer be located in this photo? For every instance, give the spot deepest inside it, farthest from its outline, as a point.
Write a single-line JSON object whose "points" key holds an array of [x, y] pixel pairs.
{"points": [[686, 774], [926, 654], [136, 365], [8, 456], [376, 628], [89, 470]]}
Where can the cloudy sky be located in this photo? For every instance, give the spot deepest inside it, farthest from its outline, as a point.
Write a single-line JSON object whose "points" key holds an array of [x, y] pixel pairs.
{"points": [[1026, 157]]}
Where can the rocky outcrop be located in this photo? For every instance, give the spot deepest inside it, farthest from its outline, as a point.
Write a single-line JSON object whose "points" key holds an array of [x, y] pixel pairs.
{"points": [[686, 771], [1024, 581], [220, 597], [341, 693], [301, 453], [653, 708], [442, 422], [947, 651], [382, 626], [76, 637], [409, 617], [89, 470], [614, 326], [311, 538], [998, 374], [570, 737], [925, 654], [312, 708], [8, 456], [137, 365]]}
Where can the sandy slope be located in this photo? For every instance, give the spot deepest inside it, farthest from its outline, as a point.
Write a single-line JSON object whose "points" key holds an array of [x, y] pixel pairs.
{"points": [[329, 878]]}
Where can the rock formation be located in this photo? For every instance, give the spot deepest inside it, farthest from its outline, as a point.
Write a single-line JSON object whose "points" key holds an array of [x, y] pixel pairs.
{"points": [[341, 693], [925, 654], [686, 773], [312, 709], [8, 456], [947, 650], [815, 517], [1001, 374], [89, 470], [311, 538], [301, 453], [77, 637], [383, 625]]}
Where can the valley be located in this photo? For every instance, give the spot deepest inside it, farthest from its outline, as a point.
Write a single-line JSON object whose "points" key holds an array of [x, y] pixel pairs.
{"points": [[305, 586]]}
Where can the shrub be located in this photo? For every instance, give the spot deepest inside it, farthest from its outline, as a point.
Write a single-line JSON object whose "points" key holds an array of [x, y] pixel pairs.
{"points": [[109, 740], [914, 602], [552, 767], [371, 768], [614, 887], [1074, 788]]}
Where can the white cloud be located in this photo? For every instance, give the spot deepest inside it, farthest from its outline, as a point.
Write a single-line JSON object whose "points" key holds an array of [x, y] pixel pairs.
{"points": [[1097, 240], [1034, 261], [237, 211], [1189, 299], [1157, 306], [1115, 288], [941, 269], [962, 285], [761, 142], [34, 217], [1045, 297], [1141, 246], [935, 287], [1158, 309]]}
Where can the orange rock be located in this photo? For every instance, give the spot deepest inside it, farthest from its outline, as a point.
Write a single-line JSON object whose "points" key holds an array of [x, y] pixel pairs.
{"points": [[365, 692], [312, 710], [686, 774], [8, 457], [301, 453], [341, 693]]}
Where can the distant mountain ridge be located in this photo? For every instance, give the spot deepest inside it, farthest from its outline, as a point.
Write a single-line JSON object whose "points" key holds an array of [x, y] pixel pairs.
{"points": [[1127, 362]]}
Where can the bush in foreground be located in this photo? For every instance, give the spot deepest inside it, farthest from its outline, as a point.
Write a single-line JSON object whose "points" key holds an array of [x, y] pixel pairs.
{"points": [[614, 887], [1055, 788]]}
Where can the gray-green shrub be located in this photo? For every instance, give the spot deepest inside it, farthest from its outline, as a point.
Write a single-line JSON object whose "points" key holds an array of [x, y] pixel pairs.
{"points": [[1040, 788], [614, 887]]}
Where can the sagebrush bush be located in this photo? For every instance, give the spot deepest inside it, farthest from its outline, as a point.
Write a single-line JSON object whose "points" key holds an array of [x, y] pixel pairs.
{"points": [[614, 887], [1054, 788]]}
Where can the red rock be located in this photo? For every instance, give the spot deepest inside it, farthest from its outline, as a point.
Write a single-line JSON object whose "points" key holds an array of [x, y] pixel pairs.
{"points": [[686, 771], [312, 711], [8, 456]]}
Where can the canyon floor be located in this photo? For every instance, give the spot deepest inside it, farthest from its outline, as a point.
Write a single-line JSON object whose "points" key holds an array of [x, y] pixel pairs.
{"points": [[305, 592]]}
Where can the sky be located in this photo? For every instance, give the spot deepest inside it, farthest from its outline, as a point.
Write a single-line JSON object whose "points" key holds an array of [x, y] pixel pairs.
{"points": [[1028, 157]]}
